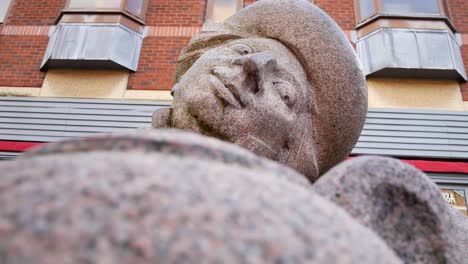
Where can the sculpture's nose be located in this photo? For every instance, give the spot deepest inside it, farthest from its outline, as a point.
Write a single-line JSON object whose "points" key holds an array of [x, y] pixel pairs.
{"points": [[257, 62], [256, 67]]}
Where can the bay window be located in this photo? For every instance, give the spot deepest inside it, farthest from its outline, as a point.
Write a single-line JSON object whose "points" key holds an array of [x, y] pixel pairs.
{"points": [[417, 8], [408, 38], [134, 8], [97, 34], [411, 7]]}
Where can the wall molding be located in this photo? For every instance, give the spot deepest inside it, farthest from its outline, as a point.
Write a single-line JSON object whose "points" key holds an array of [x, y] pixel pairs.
{"points": [[172, 31], [25, 30], [152, 31]]}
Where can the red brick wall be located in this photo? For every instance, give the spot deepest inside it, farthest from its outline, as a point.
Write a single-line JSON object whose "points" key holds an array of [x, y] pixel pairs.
{"points": [[159, 54], [464, 86], [34, 12], [176, 13], [157, 63], [342, 11], [20, 59], [21, 54], [458, 10]]}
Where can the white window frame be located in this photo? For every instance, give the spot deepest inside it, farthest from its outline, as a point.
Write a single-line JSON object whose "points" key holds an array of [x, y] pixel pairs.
{"points": [[4, 13]]}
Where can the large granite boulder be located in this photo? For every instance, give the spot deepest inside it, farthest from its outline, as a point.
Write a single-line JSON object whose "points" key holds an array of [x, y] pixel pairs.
{"points": [[169, 197], [402, 205]]}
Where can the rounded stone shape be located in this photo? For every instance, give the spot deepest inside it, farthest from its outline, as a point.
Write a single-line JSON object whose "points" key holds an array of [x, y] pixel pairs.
{"points": [[173, 202]]}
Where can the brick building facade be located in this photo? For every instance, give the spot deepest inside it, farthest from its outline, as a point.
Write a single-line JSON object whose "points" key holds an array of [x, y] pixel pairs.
{"points": [[418, 100], [24, 37], [169, 26]]}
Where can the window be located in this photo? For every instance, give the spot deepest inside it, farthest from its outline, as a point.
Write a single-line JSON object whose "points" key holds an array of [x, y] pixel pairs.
{"points": [[368, 8], [407, 38], [220, 10], [133, 7], [411, 6], [94, 4], [97, 34], [4, 6]]}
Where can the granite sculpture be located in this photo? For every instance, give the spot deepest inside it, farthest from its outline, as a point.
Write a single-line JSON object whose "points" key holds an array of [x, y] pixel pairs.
{"points": [[401, 205], [279, 80], [170, 197]]}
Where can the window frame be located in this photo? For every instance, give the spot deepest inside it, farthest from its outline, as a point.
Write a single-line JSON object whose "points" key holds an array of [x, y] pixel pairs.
{"points": [[7, 12], [443, 14], [122, 10], [210, 8]]}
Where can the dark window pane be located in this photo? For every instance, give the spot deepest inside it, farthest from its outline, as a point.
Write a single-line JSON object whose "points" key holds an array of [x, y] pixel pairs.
{"points": [[135, 7], [366, 8], [410, 6]]}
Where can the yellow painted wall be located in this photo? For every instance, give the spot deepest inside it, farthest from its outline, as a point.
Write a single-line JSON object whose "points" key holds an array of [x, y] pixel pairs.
{"points": [[19, 91], [415, 93], [98, 84], [110, 84], [383, 92]]}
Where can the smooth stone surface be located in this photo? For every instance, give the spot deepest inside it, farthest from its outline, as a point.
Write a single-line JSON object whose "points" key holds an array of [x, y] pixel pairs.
{"points": [[168, 198], [402, 205], [279, 78]]}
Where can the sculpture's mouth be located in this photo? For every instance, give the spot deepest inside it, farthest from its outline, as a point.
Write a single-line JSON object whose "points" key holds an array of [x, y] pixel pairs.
{"points": [[227, 92], [257, 146]]}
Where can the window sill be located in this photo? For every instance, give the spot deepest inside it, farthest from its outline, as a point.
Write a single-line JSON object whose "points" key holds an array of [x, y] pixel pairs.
{"points": [[101, 12], [409, 17]]}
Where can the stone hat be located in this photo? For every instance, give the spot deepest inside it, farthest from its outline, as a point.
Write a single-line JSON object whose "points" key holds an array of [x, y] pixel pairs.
{"points": [[334, 72]]}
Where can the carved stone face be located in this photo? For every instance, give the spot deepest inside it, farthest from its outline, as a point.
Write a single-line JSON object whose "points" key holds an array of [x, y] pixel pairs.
{"points": [[251, 92]]}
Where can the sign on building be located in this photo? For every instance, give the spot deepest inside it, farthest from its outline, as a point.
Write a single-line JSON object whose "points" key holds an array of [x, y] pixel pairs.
{"points": [[456, 198]]}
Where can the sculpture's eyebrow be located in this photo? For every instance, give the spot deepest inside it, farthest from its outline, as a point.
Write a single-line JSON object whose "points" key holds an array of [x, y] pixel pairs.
{"points": [[289, 76]]}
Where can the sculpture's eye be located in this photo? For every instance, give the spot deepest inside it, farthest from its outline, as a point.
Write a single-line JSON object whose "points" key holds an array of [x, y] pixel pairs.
{"points": [[286, 92], [242, 49]]}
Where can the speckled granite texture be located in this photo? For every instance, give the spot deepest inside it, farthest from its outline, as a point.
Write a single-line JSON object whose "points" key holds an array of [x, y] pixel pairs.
{"points": [[155, 199], [279, 78], [402, 205]]}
